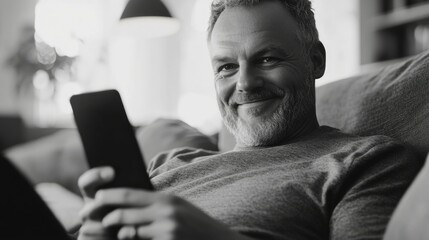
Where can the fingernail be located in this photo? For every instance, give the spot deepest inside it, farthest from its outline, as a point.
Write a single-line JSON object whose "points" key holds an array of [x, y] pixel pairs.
{"points": [[99, 194], [106, 221], [107, 173]]}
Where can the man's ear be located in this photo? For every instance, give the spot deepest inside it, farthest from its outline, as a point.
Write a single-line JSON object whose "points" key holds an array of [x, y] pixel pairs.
{"points": [[318, 58]]}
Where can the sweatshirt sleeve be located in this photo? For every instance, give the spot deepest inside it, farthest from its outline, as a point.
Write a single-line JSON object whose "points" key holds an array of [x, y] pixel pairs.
{"points": [[174, 158], [373, 186]]}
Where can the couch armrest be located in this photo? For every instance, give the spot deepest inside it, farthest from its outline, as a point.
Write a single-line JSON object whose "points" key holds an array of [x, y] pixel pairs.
{"points": [[411, 218]]}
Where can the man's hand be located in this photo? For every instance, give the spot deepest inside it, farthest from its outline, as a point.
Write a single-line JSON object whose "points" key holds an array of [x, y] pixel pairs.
{"points": [[89, 183], [94, 230], [140, 214], [93, 179]]}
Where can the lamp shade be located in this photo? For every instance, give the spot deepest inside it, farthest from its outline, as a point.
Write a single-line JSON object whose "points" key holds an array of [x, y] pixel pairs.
{"points": [[148, 19], [144, 54], [145, 8]]}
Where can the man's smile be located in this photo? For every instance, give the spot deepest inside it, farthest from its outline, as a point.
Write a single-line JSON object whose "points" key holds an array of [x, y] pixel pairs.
{"points": [[258, 107], [254, 100]]}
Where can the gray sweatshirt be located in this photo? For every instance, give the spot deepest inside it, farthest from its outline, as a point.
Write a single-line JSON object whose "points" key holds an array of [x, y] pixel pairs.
{"points": [[326, 185]]}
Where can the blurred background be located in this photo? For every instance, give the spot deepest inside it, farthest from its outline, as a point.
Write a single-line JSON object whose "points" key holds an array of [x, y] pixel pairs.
{"points": [[52, 49]]}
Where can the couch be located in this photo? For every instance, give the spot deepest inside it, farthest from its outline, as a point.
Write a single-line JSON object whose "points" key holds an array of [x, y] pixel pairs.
{"points": [[392, 101]]}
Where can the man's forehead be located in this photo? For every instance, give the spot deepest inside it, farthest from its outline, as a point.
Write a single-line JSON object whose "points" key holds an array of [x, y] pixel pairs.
{"points": [[265, 16], [247, 29], [252, 40]]}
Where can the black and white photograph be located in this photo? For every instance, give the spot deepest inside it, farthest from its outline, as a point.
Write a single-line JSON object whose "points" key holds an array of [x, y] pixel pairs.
{"points": [[214, 119]]}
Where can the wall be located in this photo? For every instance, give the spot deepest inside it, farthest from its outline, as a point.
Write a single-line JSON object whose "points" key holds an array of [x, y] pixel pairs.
{"points": [[197, 103], [14, 15], [337, 21], [338, 25]]}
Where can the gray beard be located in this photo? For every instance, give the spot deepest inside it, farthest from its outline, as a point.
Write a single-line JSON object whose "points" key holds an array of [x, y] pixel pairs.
{"points": [[271, 130]]}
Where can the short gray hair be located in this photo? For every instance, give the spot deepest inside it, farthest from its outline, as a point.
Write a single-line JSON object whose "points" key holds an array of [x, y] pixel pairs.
{"points": [[300, 9]]}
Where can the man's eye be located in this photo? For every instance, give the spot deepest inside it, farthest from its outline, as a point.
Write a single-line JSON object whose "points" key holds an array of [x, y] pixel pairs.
{"points": [[227, 67], [268, 60]]}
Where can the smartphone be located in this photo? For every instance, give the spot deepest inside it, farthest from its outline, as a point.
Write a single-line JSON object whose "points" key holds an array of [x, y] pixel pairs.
{"points": [[109, 138]]}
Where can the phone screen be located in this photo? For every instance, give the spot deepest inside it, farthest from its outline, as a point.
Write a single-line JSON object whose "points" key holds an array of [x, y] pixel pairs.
{"points": [[109, 139]]}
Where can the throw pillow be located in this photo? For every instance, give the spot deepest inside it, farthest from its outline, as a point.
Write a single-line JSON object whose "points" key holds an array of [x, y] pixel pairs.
{"points": [[393, 101], [166, 134]]}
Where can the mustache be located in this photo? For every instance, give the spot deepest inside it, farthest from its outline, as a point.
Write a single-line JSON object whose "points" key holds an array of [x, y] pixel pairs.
{"points": [[261, 94]]}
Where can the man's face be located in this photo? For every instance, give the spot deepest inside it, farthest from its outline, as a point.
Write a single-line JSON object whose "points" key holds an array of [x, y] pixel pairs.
{"points": [[262, 76]]}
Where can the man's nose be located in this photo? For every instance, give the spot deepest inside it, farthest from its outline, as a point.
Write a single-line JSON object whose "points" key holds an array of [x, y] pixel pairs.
{"points": [[248, 80]]}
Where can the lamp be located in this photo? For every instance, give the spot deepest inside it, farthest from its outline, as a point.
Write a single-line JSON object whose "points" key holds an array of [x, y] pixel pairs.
{"points": [[145, 8], [148, 18], [144, 57]]}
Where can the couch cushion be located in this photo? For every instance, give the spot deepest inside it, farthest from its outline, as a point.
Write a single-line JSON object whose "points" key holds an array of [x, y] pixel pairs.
{"points": [[393, 101], [166, 134], [55, 158], [11, 131], [64, 204]]}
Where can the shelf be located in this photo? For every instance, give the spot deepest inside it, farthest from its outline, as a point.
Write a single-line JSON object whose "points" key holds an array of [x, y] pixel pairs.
{"points": [[391, 30], [401, 17]]}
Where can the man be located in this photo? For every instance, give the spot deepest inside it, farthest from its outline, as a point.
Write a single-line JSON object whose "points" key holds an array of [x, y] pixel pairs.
{"points": [[288, 177]]}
